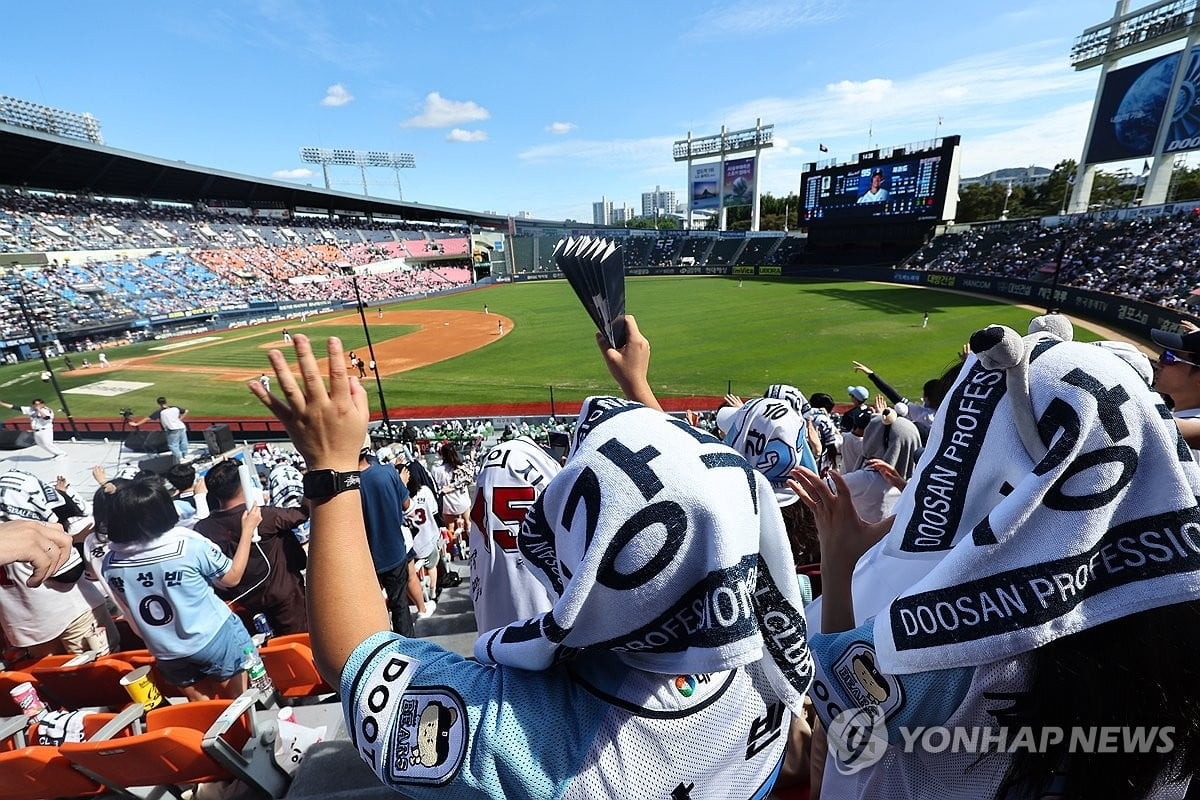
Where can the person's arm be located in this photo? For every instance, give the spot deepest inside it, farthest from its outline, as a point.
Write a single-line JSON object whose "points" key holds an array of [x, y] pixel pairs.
{"points": [[327, 426], [250, 519], [844, 537], [6, 405], [630, 365], [880, 384], [43, 545]]}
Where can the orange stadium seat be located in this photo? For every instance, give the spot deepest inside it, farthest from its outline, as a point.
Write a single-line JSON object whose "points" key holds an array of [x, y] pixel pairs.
{"points": [[289, 662], [196, 742], [93, 683], [36, 771]]}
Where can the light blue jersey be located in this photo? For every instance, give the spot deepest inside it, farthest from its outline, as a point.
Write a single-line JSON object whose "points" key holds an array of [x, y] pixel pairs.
{"points": [[166, 585], [436, 725]]}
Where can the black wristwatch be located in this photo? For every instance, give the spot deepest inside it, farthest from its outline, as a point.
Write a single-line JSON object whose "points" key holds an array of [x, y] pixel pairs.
{"points": [[320, 484]]}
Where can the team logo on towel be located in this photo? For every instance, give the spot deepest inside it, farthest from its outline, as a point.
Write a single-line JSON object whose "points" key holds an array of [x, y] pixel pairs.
{"points": [[429, 739], [858, 672]]}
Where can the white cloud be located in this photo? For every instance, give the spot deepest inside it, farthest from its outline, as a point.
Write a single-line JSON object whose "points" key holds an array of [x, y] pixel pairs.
{"points": [[1044, 141], [336, 95], [442, 113], [292, 174], [459, 135], [859, 92], [763, 17], [628, 153], [559, 128]]}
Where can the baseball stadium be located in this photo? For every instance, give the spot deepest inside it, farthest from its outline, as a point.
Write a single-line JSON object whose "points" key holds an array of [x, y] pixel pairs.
{"points": [[143, 295]]}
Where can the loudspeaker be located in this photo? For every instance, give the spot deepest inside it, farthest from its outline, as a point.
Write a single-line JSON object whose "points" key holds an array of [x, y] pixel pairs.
{"points": [[219, 439], [158, 465], [146, 441], [15, 440]]}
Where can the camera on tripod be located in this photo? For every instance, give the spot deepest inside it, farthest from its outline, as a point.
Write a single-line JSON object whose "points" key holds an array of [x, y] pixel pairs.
{"points": [[126, 413]]}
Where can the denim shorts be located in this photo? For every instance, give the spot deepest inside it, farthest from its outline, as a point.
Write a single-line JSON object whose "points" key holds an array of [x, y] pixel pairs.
{"points": [[221, 658]]}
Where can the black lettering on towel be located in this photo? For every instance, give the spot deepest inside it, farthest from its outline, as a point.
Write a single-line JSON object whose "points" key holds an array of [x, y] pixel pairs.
{"points": [[942, 488]]}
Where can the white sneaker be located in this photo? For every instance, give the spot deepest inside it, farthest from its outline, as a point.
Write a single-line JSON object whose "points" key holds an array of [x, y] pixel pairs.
{"points": [[430, 607]]}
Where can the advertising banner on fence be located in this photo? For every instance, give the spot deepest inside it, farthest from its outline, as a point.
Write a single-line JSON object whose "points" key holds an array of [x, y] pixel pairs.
{"points": [[1133, 102], [738, 184], [703, 188]]}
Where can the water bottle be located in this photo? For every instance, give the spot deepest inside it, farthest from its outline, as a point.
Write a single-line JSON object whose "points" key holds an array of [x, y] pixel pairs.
{"points": [[256, 671]]}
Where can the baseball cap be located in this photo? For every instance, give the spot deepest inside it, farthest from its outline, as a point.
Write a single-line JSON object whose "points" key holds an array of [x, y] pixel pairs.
{"points": [[725, 415], [1187, 342], [859, 393]]}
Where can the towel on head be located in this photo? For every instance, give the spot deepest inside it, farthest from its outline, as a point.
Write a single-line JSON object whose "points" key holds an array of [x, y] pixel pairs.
{"points": [[793, 396], [895, 442], [1054, 495], [660, 544], [511, 476], [772, 435]]}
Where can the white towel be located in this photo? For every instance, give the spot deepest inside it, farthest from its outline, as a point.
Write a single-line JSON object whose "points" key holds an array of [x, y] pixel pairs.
{"points": [[1054, 495], [771, 433], [511, 476], [661, 544]]}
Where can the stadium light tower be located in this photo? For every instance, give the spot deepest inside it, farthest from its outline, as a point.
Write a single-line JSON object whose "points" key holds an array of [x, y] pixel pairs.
{"points": [[358, 158]]}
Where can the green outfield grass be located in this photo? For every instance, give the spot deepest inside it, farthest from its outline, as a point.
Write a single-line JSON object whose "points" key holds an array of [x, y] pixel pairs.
{"points": [[707, 335]]}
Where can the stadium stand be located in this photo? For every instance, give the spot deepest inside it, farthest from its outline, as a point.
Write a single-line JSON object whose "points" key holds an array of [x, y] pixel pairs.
{"points": [[1145, 258]]}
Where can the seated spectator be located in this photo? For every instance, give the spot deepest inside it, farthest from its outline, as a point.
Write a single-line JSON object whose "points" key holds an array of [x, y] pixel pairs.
{"points": [[272, 583], [631, 543], [163, 576]]}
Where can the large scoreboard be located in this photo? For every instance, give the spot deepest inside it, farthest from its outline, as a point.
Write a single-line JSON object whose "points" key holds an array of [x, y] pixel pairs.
{"points": [[902, 184]]}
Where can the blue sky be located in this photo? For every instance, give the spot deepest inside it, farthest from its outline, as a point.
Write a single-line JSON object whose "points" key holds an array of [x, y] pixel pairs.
{"points": [[545, 106]]}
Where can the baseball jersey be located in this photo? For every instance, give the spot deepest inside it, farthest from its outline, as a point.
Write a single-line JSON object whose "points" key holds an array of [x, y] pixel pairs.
{"points": [[433, 724], [166, 585], [286, 485], [39, 421], [421, 513], [503, 589], [34, 616]]}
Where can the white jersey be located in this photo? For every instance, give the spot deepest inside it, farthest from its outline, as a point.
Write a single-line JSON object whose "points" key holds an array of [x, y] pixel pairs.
{"points": [[511, 477], [422, 513], [34, 616], [433, 724]]}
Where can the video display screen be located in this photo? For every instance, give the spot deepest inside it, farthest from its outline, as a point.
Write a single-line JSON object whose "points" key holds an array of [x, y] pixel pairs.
{"points": [[898, 188]]}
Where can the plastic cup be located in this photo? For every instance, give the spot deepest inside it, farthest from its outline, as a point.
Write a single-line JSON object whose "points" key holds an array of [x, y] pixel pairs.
{"points": [[141, 688], [30, 702]]}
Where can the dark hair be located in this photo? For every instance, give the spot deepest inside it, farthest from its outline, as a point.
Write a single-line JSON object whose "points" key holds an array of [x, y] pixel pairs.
{"points": [[102, 503], [141, 510], [821, 400], [39, 400], [1139, 670], [162, 401], [181, 476], [449, 454], [223, 481]]}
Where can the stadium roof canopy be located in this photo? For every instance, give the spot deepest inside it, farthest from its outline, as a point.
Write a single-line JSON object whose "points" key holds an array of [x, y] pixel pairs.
{"points": [[34, 160]]}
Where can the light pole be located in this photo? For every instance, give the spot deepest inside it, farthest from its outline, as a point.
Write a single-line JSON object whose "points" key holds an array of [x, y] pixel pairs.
{"points": [[37, 342], [387, 424]]}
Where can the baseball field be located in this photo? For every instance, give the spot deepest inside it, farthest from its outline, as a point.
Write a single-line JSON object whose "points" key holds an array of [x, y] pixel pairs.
{"points": [[446, 356]]}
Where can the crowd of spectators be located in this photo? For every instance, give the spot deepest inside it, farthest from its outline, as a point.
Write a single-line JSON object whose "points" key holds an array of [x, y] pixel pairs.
{"points": [[225, 261], [1146, 258]]}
